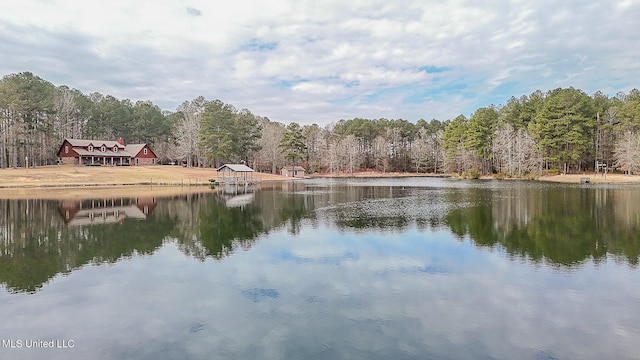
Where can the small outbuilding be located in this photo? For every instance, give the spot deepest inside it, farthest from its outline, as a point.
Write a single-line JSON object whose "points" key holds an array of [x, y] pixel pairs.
{"points": [[235, 174], [293, 171]]}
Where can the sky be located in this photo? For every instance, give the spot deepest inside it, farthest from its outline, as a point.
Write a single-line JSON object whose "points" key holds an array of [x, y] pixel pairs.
{"points": [[322, 61]]}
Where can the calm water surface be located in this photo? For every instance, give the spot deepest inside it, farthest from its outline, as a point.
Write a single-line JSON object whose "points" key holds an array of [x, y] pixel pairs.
{"points": [[327, 269]]}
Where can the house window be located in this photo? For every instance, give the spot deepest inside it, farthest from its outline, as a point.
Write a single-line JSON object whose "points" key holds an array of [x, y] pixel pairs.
{"points": [[103, 148], [145, 151], [66, 149], [90, 147], [115, 149]]}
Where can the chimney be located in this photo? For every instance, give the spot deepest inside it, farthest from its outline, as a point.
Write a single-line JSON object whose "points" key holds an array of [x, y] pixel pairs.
{"points": [[120, 141]]}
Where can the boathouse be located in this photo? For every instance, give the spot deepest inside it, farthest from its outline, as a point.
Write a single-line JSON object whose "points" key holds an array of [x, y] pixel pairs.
{"points": [[235, 174]]}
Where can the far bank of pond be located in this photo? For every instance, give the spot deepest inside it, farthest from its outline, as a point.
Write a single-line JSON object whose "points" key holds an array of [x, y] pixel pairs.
{"points": [[77, 177]]}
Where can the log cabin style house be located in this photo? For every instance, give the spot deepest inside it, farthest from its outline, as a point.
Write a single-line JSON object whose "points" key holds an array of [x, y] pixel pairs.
{"points": [[105, 152]]}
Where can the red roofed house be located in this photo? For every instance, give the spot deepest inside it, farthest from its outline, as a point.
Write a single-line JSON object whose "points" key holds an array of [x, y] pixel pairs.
{"points": [[105, 152]]}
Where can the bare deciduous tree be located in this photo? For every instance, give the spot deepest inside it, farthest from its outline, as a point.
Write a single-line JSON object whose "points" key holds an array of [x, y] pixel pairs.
{"points": [[270, 154], [420, 149], [187, 130], [380, 152], [626, 153], [314, 141], [351, 155], [515, 151]]}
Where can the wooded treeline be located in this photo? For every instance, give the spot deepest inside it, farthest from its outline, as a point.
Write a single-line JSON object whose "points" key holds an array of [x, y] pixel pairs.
{"points": [[556, 131]]}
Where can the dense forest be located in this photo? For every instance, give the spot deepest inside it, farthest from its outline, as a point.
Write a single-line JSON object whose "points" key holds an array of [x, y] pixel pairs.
{"points": [[561, 130]]}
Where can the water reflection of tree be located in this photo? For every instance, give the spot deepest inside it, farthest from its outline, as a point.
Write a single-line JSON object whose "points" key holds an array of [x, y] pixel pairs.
{"points": [[222, 229], [36, 245], [369, 207], [218, 230], [563, 225], [294, 210]]}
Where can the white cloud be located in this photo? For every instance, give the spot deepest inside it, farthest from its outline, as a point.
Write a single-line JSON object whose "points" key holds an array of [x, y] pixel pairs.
{"points": [[337, 53]]}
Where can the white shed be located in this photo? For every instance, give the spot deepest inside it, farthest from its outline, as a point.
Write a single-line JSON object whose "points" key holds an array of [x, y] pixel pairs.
{"points": [[293, 171]]}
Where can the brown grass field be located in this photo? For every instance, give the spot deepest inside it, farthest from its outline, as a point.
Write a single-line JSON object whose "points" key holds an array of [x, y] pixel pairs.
{"points": [[70, 175], [593, 178], [62, 181]]}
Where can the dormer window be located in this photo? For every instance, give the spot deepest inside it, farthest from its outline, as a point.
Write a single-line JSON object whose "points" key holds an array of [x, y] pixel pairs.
{"points": [[115, 149], [103, 148], [90, 147]]}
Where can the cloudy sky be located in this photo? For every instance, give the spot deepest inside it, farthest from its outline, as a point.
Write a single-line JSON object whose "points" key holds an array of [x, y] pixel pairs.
{"points": [[321, 61]]}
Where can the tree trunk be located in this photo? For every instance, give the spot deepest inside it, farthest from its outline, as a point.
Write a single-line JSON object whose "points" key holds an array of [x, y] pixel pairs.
{"points": [[15, 154]]}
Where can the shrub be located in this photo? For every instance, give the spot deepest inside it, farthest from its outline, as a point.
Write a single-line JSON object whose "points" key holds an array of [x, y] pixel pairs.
{"points": [[474, 174], [471, 174]]}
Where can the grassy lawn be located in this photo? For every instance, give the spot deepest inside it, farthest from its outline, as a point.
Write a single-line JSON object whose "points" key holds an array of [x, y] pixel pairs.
{"points": [[70, 175]]}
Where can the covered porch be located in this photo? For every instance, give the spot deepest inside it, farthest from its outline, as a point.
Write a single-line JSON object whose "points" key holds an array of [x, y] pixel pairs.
{"points": [[104, 160]]}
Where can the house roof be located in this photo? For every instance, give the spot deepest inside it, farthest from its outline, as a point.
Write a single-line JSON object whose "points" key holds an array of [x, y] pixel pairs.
{"points": [[108, 153], [134, 149], [236, 167], [294, 168], [130, 150], [95, 143]]}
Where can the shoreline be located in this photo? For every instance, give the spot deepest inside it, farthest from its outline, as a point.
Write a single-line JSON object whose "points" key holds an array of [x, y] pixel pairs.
{"points": [[374, 174], [98, 192], [620, 179], [613, 179], [69, 177]]}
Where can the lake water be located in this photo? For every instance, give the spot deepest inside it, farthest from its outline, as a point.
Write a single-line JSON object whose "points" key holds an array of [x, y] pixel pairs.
{"points": [[326, 269]]}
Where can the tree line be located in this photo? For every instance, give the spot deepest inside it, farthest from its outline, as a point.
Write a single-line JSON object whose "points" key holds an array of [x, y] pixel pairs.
{"points": [[561, 130]]}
